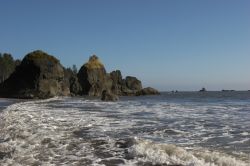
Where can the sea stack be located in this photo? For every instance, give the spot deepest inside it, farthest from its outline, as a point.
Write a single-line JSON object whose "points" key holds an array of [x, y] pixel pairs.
{"points": [[39, 75], [93, 78], [203, 90]]}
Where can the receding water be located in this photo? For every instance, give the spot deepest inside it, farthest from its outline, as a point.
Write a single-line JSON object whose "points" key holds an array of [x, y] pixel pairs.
{"points": [[191, 128]]}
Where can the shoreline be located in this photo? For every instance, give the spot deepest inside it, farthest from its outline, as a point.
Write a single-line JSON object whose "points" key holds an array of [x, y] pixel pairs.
{"points": [[78, 124]]}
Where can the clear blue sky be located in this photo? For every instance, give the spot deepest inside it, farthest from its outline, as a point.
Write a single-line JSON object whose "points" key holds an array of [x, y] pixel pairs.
{"points": [[168, 44]]}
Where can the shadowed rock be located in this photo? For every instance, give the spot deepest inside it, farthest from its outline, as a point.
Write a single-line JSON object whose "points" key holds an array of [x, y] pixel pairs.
{"points": [[133, 83], [72, 82], [93, 77], [117, 82], [148, 91], [38, 76], [41, 75], [203, 90], [124, 87], [108, 96]]}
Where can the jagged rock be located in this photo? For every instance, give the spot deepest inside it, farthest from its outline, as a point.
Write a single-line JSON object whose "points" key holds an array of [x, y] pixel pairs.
{"points": [[108, 96], [74, 85], [116, 77], [133, 83], [148, 91], [93, 77], [72, 82], [42, 76], [203, 90], [38, 76], [129, 86]]}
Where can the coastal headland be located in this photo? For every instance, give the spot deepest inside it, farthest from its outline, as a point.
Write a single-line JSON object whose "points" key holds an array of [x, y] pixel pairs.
{"points": [[41, 76]]}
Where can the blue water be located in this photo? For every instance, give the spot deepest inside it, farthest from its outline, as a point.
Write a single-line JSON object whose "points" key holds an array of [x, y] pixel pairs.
{"points": [[185, 128]]}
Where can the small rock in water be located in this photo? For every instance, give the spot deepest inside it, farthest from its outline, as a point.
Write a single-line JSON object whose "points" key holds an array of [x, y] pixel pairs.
{"points": [[5, 154], [125, 143], [203, 90], [46, 141], [147, 91], [108, 96]]}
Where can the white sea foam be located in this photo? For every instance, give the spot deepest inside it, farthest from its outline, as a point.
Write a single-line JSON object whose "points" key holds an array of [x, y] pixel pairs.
{"points": [[173, 155], [59, 131]]}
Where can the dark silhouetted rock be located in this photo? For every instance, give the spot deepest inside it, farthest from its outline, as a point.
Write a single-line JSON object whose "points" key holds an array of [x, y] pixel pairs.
{"points": [[72, 82], [116, 77], [224, 90], [108, 96], [38, 76], [93, 78], [203, 90], [148, 91], [74, 86], [128, 86], [133, 83]]}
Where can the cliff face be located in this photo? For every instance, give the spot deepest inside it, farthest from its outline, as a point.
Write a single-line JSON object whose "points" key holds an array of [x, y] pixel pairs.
{"points": [[42, 76], [38, 76]]}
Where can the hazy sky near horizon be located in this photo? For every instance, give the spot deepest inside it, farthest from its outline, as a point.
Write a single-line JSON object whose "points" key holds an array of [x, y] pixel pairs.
{"points": [[168, 44]]}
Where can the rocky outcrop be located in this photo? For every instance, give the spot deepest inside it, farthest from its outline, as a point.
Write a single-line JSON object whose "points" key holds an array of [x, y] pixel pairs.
{"points": [[148, 91], [130, 86], [38, 76], [72, 82], [93, 78], [42, 76], [108, 96], [203, 90], [117, 82], [124, 87], [133, 83]]}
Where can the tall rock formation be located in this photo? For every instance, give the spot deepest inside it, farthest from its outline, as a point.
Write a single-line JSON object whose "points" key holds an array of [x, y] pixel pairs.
{"points": [[72, 82], [38, 76], [93, 78], [42, 76], [117, 82]]}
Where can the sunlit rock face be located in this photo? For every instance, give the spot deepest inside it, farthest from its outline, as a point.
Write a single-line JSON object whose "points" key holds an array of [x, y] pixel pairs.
{"points": [[93, 78]]}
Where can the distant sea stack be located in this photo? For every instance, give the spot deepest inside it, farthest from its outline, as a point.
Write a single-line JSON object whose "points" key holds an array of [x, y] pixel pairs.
{"points": [[41, 75], [203, 90], [224, 90]]}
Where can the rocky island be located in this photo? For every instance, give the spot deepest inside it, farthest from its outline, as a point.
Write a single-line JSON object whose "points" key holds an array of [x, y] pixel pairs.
{"points": [[41, 76]]}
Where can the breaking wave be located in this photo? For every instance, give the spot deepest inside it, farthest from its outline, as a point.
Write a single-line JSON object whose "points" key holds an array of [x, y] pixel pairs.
{"points": [[68, 131], [172, 155]]}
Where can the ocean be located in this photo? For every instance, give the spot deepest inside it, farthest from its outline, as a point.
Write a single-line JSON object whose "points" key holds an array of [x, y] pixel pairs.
{"points": [[172, 129]]}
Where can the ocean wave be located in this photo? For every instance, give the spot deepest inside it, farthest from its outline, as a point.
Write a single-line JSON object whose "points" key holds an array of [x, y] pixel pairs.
{"points": [[170, 154], [59, 131]]}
